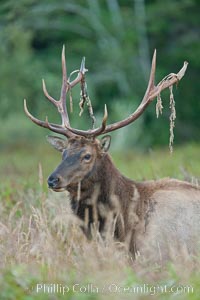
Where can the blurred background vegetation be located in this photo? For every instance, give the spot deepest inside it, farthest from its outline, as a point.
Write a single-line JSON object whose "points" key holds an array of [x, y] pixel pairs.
{"points": [[117, 37]]}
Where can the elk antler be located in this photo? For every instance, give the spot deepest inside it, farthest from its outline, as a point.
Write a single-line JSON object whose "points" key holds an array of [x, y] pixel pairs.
{"points": [[61, 103], [151, 93]]}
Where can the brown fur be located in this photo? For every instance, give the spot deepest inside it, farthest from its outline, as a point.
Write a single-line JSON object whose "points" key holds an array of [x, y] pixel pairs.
{"points": [[141, 213]]}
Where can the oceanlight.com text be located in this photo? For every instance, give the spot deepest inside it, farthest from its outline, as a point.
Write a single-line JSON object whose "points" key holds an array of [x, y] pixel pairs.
{"points": [[112, 288]]}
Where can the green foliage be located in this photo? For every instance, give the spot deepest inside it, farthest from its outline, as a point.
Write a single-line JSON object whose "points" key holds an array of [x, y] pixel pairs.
{"points": [[117, 37]]}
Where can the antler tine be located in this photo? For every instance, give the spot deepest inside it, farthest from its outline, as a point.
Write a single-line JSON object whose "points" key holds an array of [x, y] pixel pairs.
{"points": [[104, 121], [80, 75], [151, 77], [105, 117], [51, 99], [64, 89], [82, 68], [100, 130]]}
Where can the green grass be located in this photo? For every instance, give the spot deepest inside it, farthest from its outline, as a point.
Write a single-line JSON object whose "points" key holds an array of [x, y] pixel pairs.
{"points": [[41, 243]]}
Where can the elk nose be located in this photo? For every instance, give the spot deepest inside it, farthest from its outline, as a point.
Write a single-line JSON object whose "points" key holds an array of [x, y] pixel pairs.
{"points": [[53, 181]]}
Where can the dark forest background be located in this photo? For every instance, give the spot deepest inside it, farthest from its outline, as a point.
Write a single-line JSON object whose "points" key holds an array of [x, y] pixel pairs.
{"points": [[118, 38]]}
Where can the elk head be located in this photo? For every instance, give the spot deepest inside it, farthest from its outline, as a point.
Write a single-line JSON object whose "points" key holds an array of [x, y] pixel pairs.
{"points": [[80, 160], [82, 152]]}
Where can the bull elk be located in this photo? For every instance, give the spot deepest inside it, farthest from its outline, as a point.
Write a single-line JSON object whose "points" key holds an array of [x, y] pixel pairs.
{"points": [[146, 215]]}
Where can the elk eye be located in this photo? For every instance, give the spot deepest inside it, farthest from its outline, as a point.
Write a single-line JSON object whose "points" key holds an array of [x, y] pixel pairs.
{"points": [[87, 156]]}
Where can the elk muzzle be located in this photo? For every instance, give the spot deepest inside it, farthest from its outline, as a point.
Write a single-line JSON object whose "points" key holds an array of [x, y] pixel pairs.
{"points": [[54, 182]]}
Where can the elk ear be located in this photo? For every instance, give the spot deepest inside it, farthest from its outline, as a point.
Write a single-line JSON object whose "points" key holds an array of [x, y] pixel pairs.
{"points": [[105, 143], [57, 142]]}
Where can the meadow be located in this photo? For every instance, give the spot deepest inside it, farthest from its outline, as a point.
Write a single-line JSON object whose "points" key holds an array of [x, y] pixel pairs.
{"points": [[43, 253]]}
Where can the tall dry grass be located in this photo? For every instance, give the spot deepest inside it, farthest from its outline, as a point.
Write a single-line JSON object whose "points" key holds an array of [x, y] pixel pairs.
{"points": [[41, 241]]}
